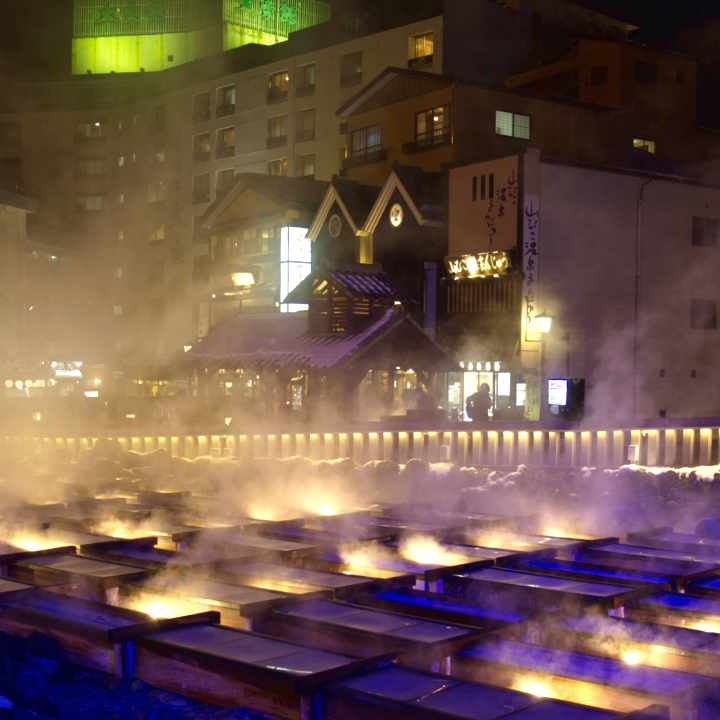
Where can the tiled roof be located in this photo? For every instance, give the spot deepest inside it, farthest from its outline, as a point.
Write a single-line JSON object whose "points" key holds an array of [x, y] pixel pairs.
{"points": [[366, 284]]}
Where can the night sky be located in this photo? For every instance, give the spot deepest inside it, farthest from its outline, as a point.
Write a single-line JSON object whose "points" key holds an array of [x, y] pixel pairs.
{"points": [[34, 34]]}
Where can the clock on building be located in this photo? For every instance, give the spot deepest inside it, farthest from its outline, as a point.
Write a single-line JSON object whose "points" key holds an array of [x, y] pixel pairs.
{"points": [[335, 225], [396, 215]]}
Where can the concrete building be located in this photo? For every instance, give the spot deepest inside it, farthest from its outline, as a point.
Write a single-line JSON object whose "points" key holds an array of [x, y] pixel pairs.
{"points": [[620, 264]]}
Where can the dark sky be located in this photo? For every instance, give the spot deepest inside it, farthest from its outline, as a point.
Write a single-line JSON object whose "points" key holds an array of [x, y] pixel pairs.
{"points": [[35, 33]]}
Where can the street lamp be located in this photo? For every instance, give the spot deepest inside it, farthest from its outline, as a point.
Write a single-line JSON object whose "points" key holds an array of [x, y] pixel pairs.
{"points": [[543, 323]]}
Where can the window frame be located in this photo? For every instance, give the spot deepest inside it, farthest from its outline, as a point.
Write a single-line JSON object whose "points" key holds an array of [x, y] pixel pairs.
{"points": [[283, 163], [223, 150], [223, 109], [514, 116], [355, 78], [366, 150], [301, 133], [275, 93], [435, 138]]}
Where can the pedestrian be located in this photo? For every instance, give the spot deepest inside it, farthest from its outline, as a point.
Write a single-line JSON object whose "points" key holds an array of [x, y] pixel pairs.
{"points": [[479, 403]]}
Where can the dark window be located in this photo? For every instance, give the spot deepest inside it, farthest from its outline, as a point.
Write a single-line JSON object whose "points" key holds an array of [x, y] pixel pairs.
{"points": [[366, 141], [201, 188], [351, 69], [483, 187], [646, 72], [491, 186], [157, 121], [305, 125], [703, 314], [306, 77], [201, 147], [474, 188], [599, 75], [705, 231], [306, 166], [201, 107], [224, 182], [277, 131], [225, 145]]}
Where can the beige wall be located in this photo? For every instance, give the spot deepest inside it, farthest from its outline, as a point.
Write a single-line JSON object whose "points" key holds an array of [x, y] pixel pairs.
{"points": [[587, 283], [491, 224]]}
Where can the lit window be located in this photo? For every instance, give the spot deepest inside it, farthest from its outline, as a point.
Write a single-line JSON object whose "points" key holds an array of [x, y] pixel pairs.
{"points": [[119, 273], [160, 156], [87, 130], [158, 235], [422, 48], [117, 310], [644, 145], [278, 167], [157, 191], [366, 141], [121, 236], [278, 86], [225, 142], [121, 161], [512, 124], [306, 166], [201, 147], [432, 127], [295, 263]]}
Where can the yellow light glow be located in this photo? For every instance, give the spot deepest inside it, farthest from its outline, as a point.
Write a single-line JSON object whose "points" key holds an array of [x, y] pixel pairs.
{"points": [[425, 550], [160, 607], [32, 542], [242, 279], [632, 656], [533, 686], [126, 531]]}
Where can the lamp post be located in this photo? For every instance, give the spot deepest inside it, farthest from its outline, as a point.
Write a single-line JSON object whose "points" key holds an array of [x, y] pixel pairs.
{"points": [[543, 324]]}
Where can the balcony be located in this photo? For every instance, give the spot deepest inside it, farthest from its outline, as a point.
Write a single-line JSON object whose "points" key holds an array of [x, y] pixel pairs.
{"points": [[306, 90], [305, 135], [224, 151], [372, 154], [225, 109], [276, 142], [200, 156], [428, 141], [419, 63], [276, 95]]}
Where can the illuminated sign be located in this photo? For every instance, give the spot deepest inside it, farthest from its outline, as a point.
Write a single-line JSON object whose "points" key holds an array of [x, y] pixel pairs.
{"points": [[494, 263], [558, 392], [67, 369]]}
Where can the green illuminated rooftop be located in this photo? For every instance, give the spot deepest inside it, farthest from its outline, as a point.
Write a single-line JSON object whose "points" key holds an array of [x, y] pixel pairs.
{"points": [[127, 36]]}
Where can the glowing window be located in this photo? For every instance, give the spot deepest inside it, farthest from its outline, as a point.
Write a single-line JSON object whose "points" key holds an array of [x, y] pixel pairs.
{"points": [[423, 46], [278, 167], [306, 166], [644, 145], [295, 263], [512, 124]]}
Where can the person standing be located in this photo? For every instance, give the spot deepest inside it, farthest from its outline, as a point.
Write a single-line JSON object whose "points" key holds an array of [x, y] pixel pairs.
{"points": [[479, 403]]}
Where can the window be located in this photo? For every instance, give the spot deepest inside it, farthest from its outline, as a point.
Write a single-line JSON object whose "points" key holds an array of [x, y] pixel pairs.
{"points": [[118, 310], [512, 124], [644, 145], [306, 166], [645, 72], [422, 48], [89, 130], [158, 234], [487, 187], [121, 161], [201, 188], [365, 141], [351, 69], [277, 131], [306, 80], [224, 182], [160, 156], [278, 86], [703, 314], [599, 75], [91, 166], [201, 107], [201, 147], [305, 127], [225, 146], [432, 127], [226, 100], [90, 203], [295, 263], [705, 231], [119, 272], [157, 191], [278, 167], [121, 198]]}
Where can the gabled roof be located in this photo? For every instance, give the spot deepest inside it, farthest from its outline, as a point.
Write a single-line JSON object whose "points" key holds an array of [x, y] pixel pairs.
{"points": [[300, 193], [358, 283], [423, 192], [243, 342], [392, 85], [353, 199]]}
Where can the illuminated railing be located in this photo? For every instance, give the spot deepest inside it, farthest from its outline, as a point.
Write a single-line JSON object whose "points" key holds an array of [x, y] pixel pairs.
{"points": [[605, 448]]}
